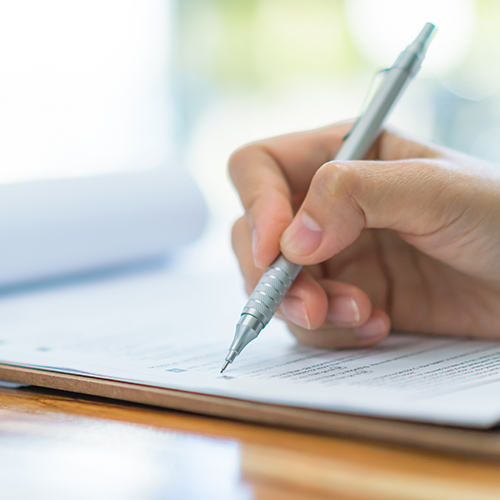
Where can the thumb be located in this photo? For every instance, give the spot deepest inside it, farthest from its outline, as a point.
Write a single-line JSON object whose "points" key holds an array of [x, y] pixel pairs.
{"points": [[414, 197]]}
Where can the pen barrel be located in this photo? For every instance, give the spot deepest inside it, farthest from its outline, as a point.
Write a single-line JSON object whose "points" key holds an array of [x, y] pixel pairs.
{"points": [[369, 126], [271, 289]]}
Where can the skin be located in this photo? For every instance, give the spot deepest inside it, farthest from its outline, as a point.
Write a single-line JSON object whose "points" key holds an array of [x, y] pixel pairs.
{"points": [[407, 240]]}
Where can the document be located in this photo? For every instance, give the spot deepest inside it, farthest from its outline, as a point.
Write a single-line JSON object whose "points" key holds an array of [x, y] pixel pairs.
{"points": [[58, 227], [172, 330]]}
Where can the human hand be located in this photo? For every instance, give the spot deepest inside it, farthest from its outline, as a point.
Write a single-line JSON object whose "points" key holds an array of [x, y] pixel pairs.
{"points": [[408, 239]]}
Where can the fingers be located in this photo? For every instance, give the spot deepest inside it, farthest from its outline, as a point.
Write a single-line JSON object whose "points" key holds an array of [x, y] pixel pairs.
{"points": [[286, 163], [348, 306], [276, 176], [350, 320], [272, 176], [334, 314], [412, 197], [373, 331], [306, 302]]}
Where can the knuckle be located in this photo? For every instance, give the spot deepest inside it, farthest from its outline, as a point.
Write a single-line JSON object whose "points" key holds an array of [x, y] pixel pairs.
{"points": [[239, 159], [336, 179], [340, 185]]}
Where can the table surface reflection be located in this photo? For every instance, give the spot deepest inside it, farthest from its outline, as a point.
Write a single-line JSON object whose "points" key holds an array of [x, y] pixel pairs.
{"points": [[55, 445]]}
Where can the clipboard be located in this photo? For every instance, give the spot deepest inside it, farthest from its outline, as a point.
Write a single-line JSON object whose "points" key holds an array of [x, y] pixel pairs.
{"points": [[483, 444]]}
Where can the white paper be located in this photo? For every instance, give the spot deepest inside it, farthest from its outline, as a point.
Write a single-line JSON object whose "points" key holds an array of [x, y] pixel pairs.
{"points": [[173, 330], [58, 227]]}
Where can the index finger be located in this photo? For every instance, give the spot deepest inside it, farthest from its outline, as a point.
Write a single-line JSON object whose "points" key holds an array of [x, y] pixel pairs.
{"points": [[272, 175]]}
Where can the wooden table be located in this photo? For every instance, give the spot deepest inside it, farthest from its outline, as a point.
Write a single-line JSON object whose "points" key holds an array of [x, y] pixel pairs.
{"points": [[56, 445]]}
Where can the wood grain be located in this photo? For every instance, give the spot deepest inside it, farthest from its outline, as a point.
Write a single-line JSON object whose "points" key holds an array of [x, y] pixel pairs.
{"points": [[59, 445]]}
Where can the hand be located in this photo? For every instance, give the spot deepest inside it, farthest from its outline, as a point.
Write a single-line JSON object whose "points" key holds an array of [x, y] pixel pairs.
{"points": [[408, 239]]}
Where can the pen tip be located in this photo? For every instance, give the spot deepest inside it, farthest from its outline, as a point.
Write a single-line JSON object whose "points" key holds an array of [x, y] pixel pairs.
{"points": [[224, 366]]}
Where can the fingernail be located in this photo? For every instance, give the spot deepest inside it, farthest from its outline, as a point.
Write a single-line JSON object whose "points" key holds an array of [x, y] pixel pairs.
{"points": [[255, 247], [303, 236], [372, 329], [343, 309], [294, 309]]}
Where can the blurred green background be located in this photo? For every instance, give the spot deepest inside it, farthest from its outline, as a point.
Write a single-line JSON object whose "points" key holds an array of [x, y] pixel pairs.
{"points": [[90, 86], [247, 69]]}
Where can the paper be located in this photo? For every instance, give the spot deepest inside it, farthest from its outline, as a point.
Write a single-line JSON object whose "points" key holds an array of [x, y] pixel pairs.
{"points": [[52, 228], [173, 330]]}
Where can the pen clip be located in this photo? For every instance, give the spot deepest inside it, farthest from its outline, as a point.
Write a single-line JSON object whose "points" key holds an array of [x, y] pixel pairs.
{"points": [[374, 83]]}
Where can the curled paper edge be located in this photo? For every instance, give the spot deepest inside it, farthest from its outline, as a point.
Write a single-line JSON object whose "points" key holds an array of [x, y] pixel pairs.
{"points": [[52, 228]]}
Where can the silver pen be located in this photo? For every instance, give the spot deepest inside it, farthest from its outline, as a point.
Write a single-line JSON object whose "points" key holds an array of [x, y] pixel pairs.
{"points": [[279, 276]]}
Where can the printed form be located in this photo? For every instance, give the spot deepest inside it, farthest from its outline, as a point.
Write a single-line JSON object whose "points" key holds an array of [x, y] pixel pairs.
{"points": [[171, 330]]}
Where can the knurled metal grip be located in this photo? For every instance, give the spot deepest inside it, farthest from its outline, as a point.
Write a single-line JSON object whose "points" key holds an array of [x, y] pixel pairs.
{"points": [[271, 289]]}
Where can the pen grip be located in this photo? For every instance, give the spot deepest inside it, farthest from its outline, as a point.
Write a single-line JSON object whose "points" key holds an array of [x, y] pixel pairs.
{"points": [[271, 289]]}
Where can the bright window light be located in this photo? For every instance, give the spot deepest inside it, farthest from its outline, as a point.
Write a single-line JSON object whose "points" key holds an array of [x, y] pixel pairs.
{"points": [[381, 28], [84, 87]]}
